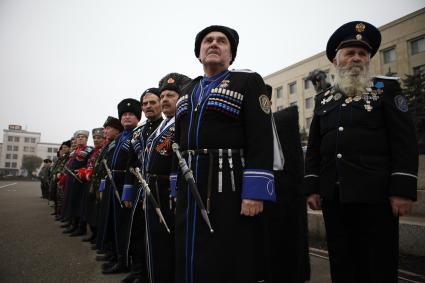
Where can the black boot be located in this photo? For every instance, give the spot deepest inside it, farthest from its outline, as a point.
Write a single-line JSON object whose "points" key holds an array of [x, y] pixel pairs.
{"points": [[70, 230], [88, 239], [119, 267], [130, 278], [77, 233], [66, 225]]}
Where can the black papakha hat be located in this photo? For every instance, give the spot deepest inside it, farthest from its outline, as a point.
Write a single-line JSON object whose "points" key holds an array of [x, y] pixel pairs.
{"points": [[129, 105], [67, 143], [230, 33], [174, 81], [114, 123], [357, 33], [153, 90]]}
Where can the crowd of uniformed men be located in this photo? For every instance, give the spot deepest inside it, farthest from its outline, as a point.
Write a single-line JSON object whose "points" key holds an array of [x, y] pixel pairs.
{"points": [[209, 187]]}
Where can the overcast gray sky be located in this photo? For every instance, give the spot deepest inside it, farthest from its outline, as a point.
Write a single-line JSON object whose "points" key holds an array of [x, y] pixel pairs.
{"points": [[65, 65]]}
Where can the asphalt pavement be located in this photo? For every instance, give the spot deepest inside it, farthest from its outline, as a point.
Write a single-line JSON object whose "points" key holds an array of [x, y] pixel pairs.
{"points": [[33, 248]]}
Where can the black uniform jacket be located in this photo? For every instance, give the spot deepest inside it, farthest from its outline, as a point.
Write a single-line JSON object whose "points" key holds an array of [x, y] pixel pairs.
{"points": [[364, 147], [236, 115]]}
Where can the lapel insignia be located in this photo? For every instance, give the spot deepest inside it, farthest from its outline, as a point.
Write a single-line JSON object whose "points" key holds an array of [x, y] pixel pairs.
{"points": [[224, 84]]}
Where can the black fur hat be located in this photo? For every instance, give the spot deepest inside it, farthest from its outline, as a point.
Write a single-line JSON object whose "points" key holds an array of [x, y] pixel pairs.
{"points": [[67, 143], [129, 105], [114, 123], [174, 81], [231, 34], [153, 90]]}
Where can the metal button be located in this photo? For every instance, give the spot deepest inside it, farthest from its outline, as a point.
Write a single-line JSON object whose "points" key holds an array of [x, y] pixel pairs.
{"points": [[324, 111], [339, 155], [344, 104], [341, 129]]}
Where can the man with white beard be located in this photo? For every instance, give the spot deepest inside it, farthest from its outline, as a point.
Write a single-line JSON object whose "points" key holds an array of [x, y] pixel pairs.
{"points": [[362, 160]]}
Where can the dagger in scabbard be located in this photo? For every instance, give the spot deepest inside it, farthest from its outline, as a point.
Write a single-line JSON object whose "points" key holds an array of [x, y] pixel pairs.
{"points": [[188, 175], [148, 192], [111, 179]]}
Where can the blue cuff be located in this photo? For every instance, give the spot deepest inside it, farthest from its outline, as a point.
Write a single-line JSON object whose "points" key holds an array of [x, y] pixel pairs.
{"points": [[173, 184], [258, 185], [128, 193], [102, 185]]}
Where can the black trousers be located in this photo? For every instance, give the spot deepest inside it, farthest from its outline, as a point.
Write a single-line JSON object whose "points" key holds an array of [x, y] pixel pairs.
{"points": [[138, 244], [362, 241]]}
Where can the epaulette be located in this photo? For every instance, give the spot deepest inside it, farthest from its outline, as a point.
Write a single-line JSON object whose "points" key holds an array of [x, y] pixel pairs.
{"points": [[387, 78], [241, 71]]}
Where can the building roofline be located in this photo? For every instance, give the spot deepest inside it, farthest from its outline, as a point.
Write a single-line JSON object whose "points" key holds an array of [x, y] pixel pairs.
{"points": [[48, 143], [21, 131], [318, 55], [402, 19], [381, 28]]}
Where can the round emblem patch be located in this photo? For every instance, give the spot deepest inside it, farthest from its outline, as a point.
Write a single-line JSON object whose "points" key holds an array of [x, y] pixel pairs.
{"points": [[265, 103], [401, 103]]}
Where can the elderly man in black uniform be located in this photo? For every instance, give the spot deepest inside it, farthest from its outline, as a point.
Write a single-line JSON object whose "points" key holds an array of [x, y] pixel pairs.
{"points": [[361, 161], [131, 195], [112, 129], [118, 218], [223, 126]]}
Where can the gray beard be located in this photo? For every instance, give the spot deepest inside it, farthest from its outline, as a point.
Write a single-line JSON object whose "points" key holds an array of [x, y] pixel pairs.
{"points": [[352, 80]]}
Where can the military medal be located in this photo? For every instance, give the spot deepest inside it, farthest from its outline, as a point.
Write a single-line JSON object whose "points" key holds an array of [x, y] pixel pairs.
{"points": [[327, 93], [357, 98], [348, 100], [337, 96], [367, 106]]}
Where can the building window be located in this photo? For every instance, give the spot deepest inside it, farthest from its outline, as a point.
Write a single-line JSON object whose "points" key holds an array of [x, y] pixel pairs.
{"points": [[7, 164], [292, 87], [10, 138], [16, 139], [14, 156], [389, 55], [309, 103], [49, 149], [279, 108], [27, 139], [9, 148], [32, 149], [13, 164], [279, 92], [26, 148], [32, 140], [419, 70], [308, 122], [293, 103], [418, 45], [307, 84], [8, 156], [15, 148]]}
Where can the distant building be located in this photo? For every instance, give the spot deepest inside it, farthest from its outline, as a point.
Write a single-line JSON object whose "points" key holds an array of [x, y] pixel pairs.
{"points": [[17, 143], [402, 51]]}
